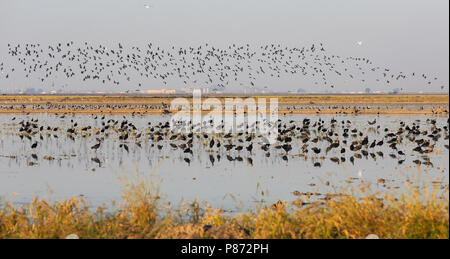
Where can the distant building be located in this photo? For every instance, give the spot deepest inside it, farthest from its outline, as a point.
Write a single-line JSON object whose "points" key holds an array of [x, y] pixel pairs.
{"points": [[186, 90], [204, 90], [161, 91], [30, 91], [395, 91]]}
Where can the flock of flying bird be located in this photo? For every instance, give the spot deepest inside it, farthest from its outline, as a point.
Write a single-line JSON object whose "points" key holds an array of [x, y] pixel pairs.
{"points": [[337, 140], [204, 65]]}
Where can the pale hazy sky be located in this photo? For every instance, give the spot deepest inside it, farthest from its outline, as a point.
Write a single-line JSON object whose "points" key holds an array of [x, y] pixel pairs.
{"points": [[404, 35]]}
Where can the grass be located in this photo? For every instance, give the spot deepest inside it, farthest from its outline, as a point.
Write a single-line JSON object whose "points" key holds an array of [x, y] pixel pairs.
{"points": [[416, 215]]}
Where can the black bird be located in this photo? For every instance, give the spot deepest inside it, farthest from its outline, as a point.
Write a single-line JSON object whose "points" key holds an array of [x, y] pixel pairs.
{"points": [[96, 146], [96, 160], [249, 148], [229, 147], [250, 161], [125, 147], [287, 147], [187, 160], [188, 151], [335, 159], [211, 158], [365, 141]]}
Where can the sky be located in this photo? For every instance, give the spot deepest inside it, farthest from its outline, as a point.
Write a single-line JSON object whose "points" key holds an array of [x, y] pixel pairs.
{"points": [[404, 35]]}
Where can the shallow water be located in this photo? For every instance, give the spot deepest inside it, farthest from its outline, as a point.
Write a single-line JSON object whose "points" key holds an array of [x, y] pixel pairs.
{"points": [[229, 185]]}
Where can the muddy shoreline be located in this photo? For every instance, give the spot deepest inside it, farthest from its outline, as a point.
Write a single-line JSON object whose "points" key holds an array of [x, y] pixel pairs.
{"points": [[436, 104]]}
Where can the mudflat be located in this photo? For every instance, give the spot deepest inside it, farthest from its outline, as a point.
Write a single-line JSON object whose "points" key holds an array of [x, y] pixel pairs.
{"points": [[288, 104]]}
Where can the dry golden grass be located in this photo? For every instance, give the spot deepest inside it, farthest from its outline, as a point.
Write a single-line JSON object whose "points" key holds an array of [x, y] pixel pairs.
{"points": [[441, 100], [417, 215]]}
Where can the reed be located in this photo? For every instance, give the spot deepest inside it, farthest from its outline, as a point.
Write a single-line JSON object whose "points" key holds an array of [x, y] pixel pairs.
{"points": [[414, 215]]}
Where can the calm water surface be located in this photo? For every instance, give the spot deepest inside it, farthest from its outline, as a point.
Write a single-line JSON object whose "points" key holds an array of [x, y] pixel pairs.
{"points": [[229, 185]]}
